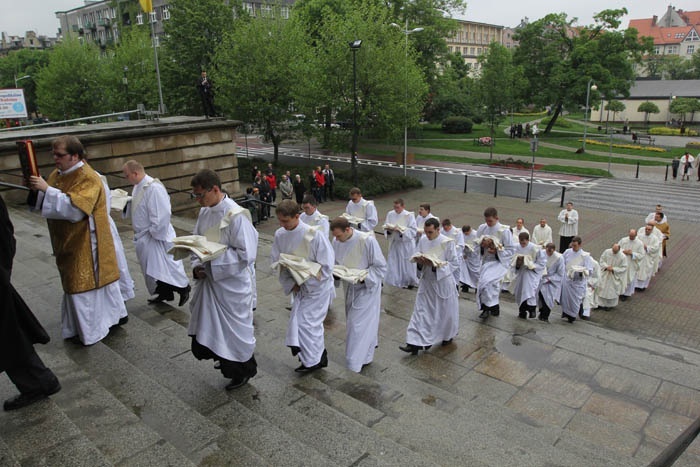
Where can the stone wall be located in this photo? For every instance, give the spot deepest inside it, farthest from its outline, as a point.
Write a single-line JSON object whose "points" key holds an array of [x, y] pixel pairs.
{"points": [[171, 149]]}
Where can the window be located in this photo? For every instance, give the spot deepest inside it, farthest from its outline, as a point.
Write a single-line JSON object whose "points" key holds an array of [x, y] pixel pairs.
{"points": [[284, 12], [657, 50], [690, 50], [672, 49], [680, 35], [139, 19], [152, 16], [266, 10], [250, 8], [166, 13]]}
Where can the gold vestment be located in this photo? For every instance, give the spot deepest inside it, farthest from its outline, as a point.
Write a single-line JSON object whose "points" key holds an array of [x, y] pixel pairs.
{"points": [[71, 241]]}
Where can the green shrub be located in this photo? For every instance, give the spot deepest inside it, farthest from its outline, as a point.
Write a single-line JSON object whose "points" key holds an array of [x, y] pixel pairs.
{"points": [[693, 145], [662, 130], [457, 125]]}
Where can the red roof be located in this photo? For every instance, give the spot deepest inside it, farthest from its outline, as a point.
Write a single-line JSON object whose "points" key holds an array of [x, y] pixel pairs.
{"points": [[661, 36]]}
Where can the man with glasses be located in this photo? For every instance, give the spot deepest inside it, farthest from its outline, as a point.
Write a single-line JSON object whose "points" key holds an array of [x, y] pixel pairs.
{"points": [[149, 209], [73, 200], [222, 304]]}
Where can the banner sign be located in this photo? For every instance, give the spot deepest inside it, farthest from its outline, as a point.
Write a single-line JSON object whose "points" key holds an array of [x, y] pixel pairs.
{"points": [[12, 104]]}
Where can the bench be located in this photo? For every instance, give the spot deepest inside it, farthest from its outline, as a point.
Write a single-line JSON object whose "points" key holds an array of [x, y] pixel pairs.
{"points": [[643, 138]]}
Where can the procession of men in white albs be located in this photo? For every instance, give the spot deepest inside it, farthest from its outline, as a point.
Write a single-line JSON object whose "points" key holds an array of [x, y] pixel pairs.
{"points": [[315, 256]]}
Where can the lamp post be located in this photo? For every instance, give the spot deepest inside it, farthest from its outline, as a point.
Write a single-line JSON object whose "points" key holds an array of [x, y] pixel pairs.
{"points": [[589, 88], [125, 82], [17, 80], [406, 32], [354, 46]]}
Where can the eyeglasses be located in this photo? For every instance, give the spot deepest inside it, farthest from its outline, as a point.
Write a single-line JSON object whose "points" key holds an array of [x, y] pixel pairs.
{"points": [[194, 195]]}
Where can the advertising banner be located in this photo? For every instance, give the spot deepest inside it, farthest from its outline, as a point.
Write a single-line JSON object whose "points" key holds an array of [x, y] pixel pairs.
{"points": [[12, 104]]}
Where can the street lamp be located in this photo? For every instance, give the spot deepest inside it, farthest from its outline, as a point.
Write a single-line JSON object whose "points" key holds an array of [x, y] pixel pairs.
{"points": [[125, 82], [589, 88], [406, 32], [17, 80], [354, 46]]}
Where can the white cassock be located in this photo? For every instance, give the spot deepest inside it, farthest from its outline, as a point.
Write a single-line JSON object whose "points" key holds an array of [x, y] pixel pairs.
{"points": [[652, 217], [362, 300], [471, 261], [420, 224], [516, 233], [150, 216], [126, 283], [311, 302], [541, 235], [633, 262], [316, 220], [589, 300], [526, 280], [456, 235], [435, 315], [222, 302], [552, 278], [578, 266], [493, 267], [569, 225], [611, 284], [401, 272], [90, 314], [363, 209], [647, 266]]}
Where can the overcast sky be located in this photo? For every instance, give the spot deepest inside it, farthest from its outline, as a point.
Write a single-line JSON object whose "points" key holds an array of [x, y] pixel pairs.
{"points": [[18, 16]]}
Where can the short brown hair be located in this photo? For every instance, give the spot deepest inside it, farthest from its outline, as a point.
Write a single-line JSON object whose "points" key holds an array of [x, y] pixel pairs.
{"points": [[340, 223], [206, 179], [287, 208], [71, 143], [490, 212], [355, 191]]}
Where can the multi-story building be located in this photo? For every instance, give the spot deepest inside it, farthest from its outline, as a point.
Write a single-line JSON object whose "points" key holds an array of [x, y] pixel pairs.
{"points": [[472, 39], [100, 21], [31, 40], [676, 33]]}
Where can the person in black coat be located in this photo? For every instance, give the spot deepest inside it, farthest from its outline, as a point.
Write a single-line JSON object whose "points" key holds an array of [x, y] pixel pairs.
{"points": [[299, 189], [19, 331]]}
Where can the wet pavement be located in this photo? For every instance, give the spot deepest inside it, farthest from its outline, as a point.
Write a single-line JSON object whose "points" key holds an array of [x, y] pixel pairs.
{"points": [[614, 390]]}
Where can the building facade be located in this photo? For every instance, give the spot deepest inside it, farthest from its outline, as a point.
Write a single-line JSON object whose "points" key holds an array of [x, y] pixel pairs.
{"points": [[676, 33], [472, 39], [31, 40]]}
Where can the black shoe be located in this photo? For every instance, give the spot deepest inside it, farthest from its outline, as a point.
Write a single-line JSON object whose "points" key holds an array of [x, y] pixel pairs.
{"points": [[533, 314], [409, 287], [235, 384], [184, 295], [571, 319], [163, 297], [522, 315], [496, 310], [23, 400], [544, 320], [295, 350], [410, 348], [447, 342], [623, 298], [586, 318], [465, 288], [484, 314], [308, 369], [122, 322], [288, 308]]}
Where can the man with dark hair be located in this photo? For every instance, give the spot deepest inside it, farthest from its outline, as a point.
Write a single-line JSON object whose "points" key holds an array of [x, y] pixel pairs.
{"points": [[149, 210], [361, 212], [312, 216], [496, 250], [19, 331], [400, 227], [298, 249], [527, 266], [329, 176], [578, 266], [549, 291], [435, 315], [471, 260], [206, 93], [359, 251], [222, 305], [423, 215], [74, 201], [569, 226]]}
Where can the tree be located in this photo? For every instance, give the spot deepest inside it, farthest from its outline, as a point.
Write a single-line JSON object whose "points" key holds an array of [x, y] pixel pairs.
{"points": [[615, 106], [391, 88], [648, 108], [192, 35], [73, 82], [559, 58], [453, 93], [499, 83], [19, 63], [256, 75], [683, 106], [132, 58]]}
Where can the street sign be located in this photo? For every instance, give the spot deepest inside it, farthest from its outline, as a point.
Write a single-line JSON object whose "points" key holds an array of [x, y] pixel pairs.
{"points": [[12, 104], [533, 145]]}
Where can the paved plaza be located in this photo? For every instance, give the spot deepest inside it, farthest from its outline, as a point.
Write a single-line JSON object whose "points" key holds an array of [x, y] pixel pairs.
{"points": [[612, 391]]}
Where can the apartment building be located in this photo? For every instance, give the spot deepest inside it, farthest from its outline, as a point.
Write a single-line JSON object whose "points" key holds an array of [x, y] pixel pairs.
{"points": [[675, 33]]}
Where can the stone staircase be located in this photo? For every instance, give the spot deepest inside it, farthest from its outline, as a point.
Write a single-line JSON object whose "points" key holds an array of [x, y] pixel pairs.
{"points": [[140, 398], [681, 200]]}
